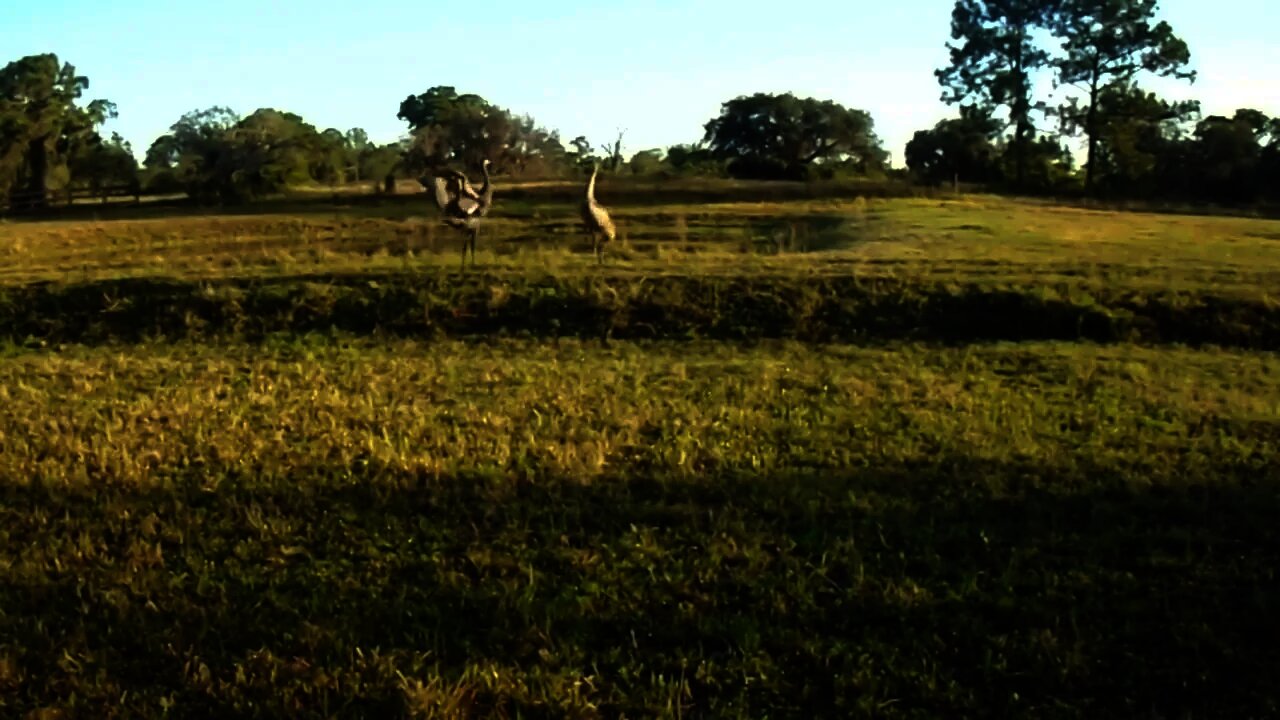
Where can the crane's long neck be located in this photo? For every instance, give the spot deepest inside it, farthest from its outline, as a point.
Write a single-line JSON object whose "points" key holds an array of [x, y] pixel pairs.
{"points": [[591, 185], [485, 170]]}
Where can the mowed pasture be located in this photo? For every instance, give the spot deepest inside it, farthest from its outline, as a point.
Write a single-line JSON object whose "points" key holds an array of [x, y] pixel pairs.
{"points": [[821, 455], [661, 232]]}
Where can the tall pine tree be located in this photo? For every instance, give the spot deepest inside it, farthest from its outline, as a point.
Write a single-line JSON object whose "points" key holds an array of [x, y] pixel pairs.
{"points": [[1105, 43], [993, 59]]}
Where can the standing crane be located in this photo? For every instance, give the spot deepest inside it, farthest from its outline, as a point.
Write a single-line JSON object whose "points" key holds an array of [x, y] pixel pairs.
{"points": [[462, 206], [596, 218]]}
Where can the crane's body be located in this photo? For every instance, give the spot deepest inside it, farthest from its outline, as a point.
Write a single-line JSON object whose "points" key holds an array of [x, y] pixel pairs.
{"points": [[462, 206], [596, 218]]}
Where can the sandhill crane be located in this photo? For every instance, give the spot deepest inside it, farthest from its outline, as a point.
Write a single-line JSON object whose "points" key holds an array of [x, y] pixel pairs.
{"points": [[596, 218], [461, 205]]}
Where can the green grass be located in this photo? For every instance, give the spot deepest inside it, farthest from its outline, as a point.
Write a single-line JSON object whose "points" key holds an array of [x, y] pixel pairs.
{"points": [[341, 527], [456, 407], [775, 460], [580, 529]]}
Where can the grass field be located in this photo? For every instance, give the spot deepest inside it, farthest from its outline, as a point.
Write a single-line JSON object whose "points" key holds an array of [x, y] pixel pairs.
{"points": [[821, 456]]}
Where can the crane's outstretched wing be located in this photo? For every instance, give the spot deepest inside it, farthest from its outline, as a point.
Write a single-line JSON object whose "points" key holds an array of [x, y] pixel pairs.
{"points": [[441, 192], [462, 184]]}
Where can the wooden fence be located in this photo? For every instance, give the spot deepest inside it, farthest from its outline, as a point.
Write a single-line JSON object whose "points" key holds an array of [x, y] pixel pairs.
{"points": [[25, 201]]}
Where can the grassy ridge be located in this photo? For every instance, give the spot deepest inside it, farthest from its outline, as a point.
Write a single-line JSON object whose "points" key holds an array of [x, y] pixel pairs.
{"points": [[821, 308], [568, 529], [958, 270]]}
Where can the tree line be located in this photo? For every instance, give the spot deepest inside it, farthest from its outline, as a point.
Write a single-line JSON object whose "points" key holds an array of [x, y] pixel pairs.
{"points": [[1005, 137], [1097, 52]]}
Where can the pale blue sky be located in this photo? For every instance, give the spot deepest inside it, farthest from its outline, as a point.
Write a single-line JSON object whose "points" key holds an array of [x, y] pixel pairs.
{"points": [[660, 69]]}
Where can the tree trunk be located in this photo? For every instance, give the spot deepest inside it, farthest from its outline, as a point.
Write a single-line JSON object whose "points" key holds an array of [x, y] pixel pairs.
{"points": [[1020, 154], [1091, 129], [38, 167], [1019, 112], [1089, 158]]}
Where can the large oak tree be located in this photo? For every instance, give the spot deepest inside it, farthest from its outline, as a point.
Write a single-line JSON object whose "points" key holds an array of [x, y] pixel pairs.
{"points": [[42, 121], [448, 127], [780, 136]]}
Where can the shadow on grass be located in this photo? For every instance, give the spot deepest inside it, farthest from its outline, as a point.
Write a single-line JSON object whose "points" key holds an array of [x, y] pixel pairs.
{"points": [[961, 588], [815, 309]]}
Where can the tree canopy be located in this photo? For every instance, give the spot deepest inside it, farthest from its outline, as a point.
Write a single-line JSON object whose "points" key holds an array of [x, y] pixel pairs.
{"points": [[781, 136], [42, 122], [214, 154], [447, 127], [105, 163], [1238, 157], [957, 149], [1134, 138]]}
